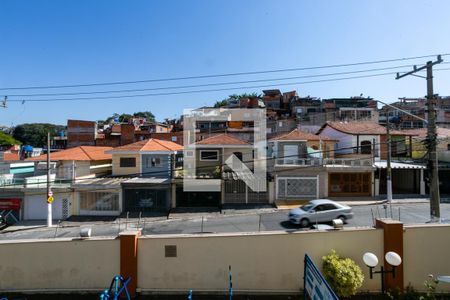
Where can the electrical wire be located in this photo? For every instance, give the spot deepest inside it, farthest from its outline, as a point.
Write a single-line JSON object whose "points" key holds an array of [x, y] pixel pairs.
{"points": [[208, 84], [224, 75], [197, 91]]}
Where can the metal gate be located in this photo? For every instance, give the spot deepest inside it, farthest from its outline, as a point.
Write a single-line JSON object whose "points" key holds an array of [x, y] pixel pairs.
{"points": [[297, 187], [237, 192]]}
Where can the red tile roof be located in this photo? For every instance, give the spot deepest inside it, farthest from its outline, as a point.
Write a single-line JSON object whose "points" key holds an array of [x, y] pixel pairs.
{"points": [[361, 128], [150, 145], [222, 139], [9, 156], [422, 132], [298, 135], [82, 153]]}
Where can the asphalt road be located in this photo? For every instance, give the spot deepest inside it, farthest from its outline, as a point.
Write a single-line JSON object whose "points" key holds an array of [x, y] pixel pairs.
{"points": [[243, 221]]}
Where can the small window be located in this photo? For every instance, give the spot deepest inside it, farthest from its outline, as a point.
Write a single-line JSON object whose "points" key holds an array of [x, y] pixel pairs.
{"points": [[174, 139], [127, 162], [156, 161], [209, 155], [448, 147]]}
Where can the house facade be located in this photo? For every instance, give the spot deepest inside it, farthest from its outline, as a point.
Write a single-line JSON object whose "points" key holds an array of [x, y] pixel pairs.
{"points": [[363, 147], [210, 159], [296, 164], [147, 168]]}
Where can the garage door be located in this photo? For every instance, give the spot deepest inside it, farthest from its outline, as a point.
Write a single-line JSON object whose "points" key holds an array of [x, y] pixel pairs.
{"points": [[35, 207], [296, 187]]}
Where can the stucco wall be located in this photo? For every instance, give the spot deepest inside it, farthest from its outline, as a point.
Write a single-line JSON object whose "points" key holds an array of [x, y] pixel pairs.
{"points": [[117, 170], [265, 262], [57, 265], [426, 251]]}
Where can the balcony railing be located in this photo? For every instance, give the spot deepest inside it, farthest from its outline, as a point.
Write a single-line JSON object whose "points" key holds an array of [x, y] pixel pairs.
{"points": [[298, 162], [352, 162]]}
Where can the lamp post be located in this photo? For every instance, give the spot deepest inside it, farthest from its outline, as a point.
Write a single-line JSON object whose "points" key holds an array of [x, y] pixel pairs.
{"points": [[371, 260]]}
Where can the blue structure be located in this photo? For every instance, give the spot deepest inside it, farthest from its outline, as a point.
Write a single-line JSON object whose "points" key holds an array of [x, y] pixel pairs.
{"points": [[230, 289], [117, 287]]}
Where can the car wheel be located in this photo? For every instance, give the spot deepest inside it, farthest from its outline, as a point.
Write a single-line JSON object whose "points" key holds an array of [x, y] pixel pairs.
{"points": [[343, 219], [304, 222]]}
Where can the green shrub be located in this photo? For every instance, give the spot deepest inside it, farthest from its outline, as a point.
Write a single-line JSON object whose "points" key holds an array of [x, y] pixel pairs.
{"points": [[343, 274]]}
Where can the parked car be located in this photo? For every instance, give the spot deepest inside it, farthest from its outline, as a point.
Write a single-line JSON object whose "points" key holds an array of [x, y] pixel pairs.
{"points": [[320, 211]]}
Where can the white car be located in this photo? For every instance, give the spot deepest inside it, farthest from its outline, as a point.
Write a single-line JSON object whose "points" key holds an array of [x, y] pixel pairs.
{"points": [[319, 211]]}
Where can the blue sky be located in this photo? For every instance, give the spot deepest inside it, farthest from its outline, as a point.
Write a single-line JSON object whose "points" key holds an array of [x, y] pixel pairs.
{"points": [[76, 42]]}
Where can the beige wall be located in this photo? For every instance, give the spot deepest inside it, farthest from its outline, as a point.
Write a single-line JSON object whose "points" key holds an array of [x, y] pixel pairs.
{"points": [[263, 262], [117, 170], [426, 251], [59, 264]]}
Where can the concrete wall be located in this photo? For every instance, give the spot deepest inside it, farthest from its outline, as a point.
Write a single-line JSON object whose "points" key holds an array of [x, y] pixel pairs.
{"points": [[263, 263], [58, 265], [267, 262], [426, 250]]}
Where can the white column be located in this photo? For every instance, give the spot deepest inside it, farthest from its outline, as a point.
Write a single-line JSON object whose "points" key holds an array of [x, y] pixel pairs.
{"points": [[422, 183]]}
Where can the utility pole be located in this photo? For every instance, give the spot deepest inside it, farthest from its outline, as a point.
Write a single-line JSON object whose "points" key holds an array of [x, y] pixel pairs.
{"points": [[433, 176], [49, 192], [388, 164]]}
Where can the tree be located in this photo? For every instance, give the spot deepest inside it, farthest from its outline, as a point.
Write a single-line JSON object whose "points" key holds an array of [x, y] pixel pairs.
{"points": [[232, 97], [7, 140], [145, 114], [35, 134], [125, 117]]}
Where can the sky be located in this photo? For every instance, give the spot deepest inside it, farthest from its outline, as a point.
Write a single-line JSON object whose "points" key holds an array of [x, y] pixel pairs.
{"points": [[48, 43]]}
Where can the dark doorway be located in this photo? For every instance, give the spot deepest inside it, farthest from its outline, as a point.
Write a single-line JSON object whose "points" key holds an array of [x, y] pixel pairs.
{"points": [[197, 199]]}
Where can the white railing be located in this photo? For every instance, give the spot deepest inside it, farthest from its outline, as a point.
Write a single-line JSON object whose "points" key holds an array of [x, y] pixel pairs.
{"points": [[298, 162], [351, 162]]}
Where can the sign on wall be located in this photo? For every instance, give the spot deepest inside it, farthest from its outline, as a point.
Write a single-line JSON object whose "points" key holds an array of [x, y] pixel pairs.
{"points": [[315, 285], [10, 204]]}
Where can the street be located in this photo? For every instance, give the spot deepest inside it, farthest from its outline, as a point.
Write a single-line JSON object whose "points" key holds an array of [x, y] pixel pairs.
{"points": [[242, 221]]}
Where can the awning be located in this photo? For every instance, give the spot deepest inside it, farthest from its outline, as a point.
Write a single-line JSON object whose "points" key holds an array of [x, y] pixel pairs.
{"points": [[397, 165], [98, 183], [147, 180]]}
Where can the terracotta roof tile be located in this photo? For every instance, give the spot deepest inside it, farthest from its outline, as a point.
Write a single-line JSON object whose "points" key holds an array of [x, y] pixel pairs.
{"points": [[363, 127], [82, 153], [150, 145], [423, 132], [222, 139], [8, 156], [298, 135]]}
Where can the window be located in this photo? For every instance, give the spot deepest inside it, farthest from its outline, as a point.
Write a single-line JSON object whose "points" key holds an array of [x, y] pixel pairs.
{"points": [[448, 147], [156, 161], [212, 155], [174, 138], [127, 162], [366, 147]]}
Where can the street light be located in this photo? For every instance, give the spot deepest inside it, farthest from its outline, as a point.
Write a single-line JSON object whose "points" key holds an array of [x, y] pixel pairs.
{"points": [[371, 260]]}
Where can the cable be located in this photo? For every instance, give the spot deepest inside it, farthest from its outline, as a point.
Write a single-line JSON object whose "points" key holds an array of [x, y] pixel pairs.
{"points": [[209, 84], [199, 91], [223, 75]]}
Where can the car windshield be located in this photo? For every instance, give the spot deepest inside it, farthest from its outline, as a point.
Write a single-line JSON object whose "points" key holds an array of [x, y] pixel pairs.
{"points": [[307, 207]]}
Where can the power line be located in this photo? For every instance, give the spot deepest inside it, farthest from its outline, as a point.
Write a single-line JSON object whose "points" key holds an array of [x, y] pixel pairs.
{"points": [[208, 84], [222, 75], [202, 91]]}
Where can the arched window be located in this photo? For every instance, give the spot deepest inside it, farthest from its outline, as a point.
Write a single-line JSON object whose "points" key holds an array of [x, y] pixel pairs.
{"points": [[366, 147]]}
